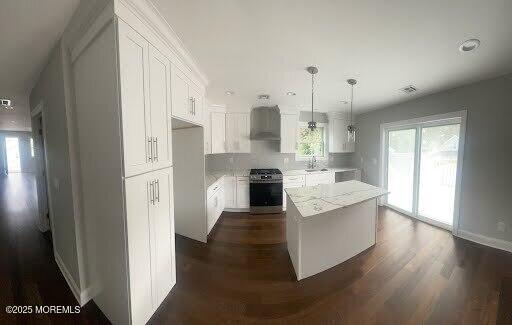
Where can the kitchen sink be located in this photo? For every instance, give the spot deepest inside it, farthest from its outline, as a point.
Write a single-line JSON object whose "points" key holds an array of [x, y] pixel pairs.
{"points": [[317, 170]]}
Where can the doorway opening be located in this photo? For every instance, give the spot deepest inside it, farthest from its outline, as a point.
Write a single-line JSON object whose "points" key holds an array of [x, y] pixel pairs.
{"points": [[12, 150], [422, 167]]}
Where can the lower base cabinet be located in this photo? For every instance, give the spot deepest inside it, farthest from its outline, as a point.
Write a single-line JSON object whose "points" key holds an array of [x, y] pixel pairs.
{"points": [[214, 206], [150, 239]]}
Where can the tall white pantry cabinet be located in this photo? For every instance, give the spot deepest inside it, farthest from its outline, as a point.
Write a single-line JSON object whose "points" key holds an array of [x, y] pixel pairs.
{"points": [[122, 81]]}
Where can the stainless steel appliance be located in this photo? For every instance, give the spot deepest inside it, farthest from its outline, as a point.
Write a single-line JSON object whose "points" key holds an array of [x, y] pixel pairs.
{"points": [[266, 191]]}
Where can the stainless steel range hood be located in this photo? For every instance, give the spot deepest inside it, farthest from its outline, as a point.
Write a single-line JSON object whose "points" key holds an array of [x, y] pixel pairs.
{"points": [[266, 123]]}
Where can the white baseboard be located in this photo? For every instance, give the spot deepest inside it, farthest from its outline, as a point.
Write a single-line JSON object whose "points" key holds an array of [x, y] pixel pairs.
{"points": [[487, 241], [82, 297], [236, 210]]}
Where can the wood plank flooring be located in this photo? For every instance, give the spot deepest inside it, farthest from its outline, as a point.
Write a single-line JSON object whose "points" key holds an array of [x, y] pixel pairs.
{"points": [[416, 274]]}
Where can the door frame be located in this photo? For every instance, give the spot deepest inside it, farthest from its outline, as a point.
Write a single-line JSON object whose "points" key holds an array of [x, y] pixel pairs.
{"points": [[43, 225], [417, 124]]}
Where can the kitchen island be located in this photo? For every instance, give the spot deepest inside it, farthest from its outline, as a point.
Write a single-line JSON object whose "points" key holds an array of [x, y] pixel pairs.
{"points": [[329, 223]]}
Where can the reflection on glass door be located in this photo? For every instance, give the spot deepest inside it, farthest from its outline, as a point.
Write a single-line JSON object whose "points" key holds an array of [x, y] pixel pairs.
{"points": [[13, 155], [439, 151], [400, 178]]}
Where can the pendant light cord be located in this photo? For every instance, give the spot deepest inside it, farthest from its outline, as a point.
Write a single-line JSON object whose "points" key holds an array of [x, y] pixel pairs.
{"points": [[312, 94]]}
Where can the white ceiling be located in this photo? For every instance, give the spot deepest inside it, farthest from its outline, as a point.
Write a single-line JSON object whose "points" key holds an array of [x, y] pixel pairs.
{"points": [[29, 29], [255, 47]]}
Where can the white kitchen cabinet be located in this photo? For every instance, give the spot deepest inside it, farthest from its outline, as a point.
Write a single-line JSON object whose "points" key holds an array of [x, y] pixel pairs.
{"points": [[338, 137], [218, 132], [150, 238], [314, 179], [230, 192], [187, 101], [289, 124], [145, 91], [242, 192], [215, 204], [238, 133]]}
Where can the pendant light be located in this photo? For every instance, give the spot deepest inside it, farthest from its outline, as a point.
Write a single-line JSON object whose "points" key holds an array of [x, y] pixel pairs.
{"points": [[312, 71], [351, 128]]}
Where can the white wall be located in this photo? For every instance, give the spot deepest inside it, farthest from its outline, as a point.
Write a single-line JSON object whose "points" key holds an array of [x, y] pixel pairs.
{"points": [[487, 173], [26, 160], [19, 118], [49, 89]]}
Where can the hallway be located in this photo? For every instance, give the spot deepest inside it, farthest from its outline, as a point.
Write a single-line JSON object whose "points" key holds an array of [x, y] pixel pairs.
{"points": [[28, 272]]}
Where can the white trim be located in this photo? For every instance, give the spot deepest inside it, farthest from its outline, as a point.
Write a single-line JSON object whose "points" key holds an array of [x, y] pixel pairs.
{"points": [[418, 217], [417, 124], [67, 276], [325, 157], [236, 209], [487, 241]]}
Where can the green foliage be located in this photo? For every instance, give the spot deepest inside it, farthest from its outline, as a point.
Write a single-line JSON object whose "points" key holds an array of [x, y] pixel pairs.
{"points": [[311, 143]]}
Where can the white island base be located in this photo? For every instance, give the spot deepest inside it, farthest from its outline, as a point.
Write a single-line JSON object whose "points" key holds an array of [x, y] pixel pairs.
{"points": [[333, 234]]}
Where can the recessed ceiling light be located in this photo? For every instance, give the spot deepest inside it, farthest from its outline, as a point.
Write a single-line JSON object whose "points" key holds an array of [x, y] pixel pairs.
{"points": [[265, 96], [230, 92], [291, 93], [469, 45], [344, 102]]}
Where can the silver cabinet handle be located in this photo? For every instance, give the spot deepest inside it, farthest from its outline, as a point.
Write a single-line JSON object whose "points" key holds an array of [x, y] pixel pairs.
{"points": [[194, 106], [157, 183], [152, 192], [155, 141], [150, 149], [191, 100]]}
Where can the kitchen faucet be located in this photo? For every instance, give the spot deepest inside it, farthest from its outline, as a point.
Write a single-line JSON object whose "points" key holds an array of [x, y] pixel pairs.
{"points": [[312, 163]]}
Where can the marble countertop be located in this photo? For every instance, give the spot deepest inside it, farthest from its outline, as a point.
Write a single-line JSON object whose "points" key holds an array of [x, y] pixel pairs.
{"points": [[296, 172], [314, 200]]}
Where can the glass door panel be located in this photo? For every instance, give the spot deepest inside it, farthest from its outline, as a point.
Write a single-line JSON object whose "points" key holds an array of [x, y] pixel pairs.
{"points": [[13, 155], [400, 168], [438, 170]]}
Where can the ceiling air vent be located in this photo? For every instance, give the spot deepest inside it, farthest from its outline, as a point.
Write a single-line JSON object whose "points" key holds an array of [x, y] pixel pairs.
{"points": [[6, 104], [409, 89]]}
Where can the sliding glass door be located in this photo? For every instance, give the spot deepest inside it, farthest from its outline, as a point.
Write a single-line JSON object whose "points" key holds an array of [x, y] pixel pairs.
{"points": [[421, 167], [400, 178]]}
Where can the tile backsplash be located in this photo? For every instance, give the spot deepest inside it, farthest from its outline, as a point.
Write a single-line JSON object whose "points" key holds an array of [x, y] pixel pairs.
{"points": [[265, 154]]}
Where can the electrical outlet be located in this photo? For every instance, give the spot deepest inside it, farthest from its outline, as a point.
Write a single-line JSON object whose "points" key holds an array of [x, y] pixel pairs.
{"points": [[501, 226]]}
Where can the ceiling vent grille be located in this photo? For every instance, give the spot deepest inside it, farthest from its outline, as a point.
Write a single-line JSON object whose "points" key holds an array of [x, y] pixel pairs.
{"points": [[6, 104], [409, 89]]}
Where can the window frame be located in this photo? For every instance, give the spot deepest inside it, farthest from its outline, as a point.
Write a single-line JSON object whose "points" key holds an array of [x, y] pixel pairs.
{"points": [[299, 157]]}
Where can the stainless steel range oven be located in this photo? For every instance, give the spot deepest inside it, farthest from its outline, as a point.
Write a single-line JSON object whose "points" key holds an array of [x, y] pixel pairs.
{"points": [[266, 191]]}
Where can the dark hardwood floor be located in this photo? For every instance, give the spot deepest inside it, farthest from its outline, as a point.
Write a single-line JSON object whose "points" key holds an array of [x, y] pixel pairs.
{"points": [[415, 274]]}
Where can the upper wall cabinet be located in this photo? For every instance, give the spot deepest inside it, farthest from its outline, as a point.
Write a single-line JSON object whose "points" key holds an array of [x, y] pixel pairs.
{"points": [[338, 143], [218, 132], [145, 98], [289, 124], [238, 131], [187, 101]]}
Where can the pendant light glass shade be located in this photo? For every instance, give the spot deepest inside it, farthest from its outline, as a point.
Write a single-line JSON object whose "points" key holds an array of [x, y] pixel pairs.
{"points": [[312, 71], [351, 128]]}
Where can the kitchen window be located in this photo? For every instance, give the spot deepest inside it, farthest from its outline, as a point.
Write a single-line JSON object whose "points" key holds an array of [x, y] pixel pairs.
{"points": [[311, 143]]}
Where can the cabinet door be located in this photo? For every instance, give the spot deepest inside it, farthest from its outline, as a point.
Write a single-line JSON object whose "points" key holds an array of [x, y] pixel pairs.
{"points": [[230, 191], [242, 192], [289, 133], [162, 230], [159, 94], [135, 105], [210, 212], [197, 105], [181, 102], [137, 196], [337, 136], [243, 143], [218, 132]]}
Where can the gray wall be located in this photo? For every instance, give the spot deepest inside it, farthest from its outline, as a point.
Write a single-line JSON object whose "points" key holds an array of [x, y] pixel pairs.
{"points": [[26, 160], [487, 173], [50, 89], [265, 154]]}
